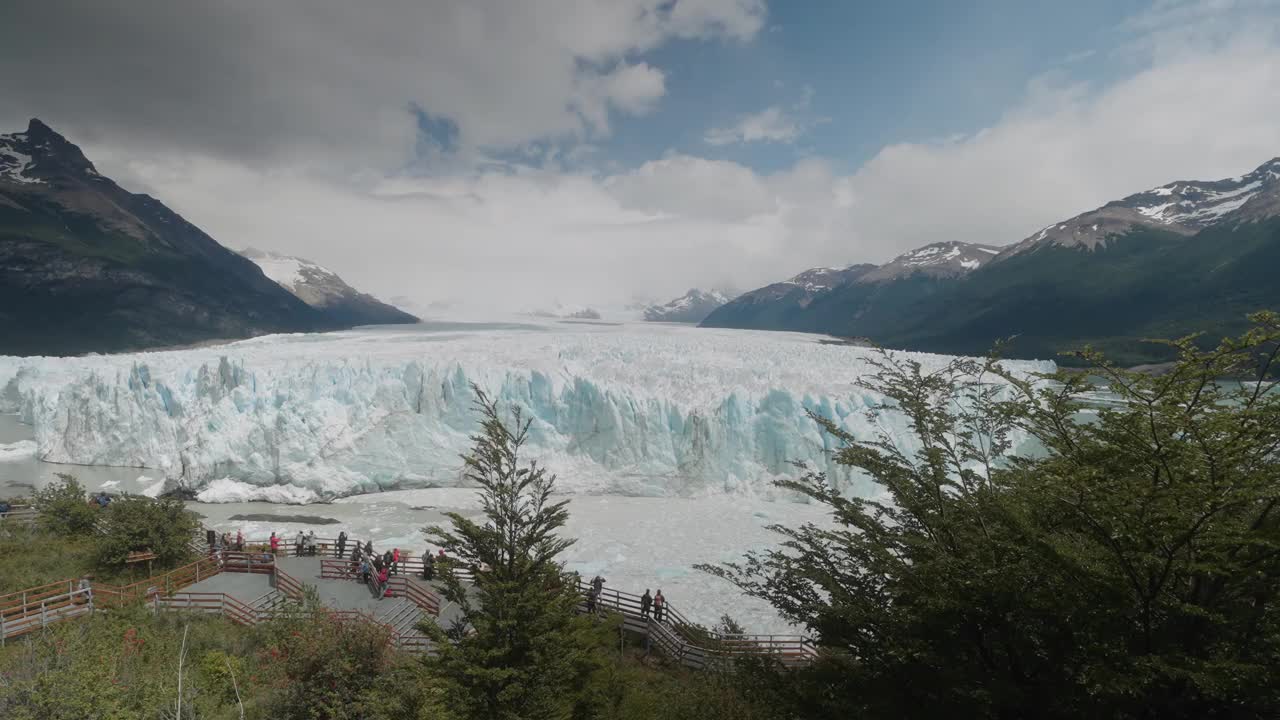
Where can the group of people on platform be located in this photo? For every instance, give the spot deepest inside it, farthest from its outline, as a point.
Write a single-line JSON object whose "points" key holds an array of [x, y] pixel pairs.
{"points": [[218, 543], [374, 569]]}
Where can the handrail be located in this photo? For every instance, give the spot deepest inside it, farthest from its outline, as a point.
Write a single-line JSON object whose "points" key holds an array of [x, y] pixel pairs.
{"points": [[415, 593], [287, 584], [20, 515]]}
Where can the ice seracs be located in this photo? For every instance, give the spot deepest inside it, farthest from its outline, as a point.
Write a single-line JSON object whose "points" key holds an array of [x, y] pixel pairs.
{"points": [[641, 409]]}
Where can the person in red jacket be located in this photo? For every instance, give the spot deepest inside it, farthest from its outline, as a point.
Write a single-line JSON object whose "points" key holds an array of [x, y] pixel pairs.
{"points": [[659, 607], [275, 544], [395, 561]]}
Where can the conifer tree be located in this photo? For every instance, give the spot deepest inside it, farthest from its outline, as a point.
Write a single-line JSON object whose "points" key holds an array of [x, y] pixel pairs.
{"points": [[520, 650]]}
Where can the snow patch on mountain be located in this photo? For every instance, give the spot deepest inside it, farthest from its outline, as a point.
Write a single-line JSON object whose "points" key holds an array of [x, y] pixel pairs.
{"points": [[14, 163], [285, 270], [1184, 207], [944, 259]]}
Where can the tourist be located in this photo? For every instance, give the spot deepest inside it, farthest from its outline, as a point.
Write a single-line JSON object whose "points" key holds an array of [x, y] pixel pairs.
{"points": [[659, 606], [364, 571], [395, 561], [368, 548], [86, 590], [597, 584], [377, 563], [298, 542], [646, 601], [275, 543], [239, 541], [355, 556], [5, 507], [591, 601], [342, 543], [428, 566], [311, 543], [386, 560], [211, 537], [382, 583]]}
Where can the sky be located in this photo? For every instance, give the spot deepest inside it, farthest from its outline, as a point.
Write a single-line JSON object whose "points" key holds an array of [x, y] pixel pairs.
{"points": [[513, 154]]}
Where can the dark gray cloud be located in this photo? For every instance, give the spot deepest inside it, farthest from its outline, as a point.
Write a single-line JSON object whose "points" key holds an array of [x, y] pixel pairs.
{"points": [[333, 82]]}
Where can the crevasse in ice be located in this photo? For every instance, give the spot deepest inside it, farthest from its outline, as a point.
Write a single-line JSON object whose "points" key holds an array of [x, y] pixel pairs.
{"points": [[634, 409]]}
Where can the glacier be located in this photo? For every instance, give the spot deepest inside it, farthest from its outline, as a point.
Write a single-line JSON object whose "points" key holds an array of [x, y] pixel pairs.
{"points": [[628, 408]]}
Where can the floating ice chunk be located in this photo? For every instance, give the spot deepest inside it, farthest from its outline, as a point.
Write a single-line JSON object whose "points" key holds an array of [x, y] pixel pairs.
{"points": [[21, 450], [225, 490]]}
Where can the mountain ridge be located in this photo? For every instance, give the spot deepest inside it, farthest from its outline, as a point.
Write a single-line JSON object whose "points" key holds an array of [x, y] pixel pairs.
{"points": [[87, 266], [1173, 260]]}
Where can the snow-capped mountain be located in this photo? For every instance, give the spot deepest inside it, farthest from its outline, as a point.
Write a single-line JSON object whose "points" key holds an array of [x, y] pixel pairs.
{"points": [[1184, 207], [692, 307], [87, 266], [322, 289], [803, 302], [1185, 257], [943, 259]]}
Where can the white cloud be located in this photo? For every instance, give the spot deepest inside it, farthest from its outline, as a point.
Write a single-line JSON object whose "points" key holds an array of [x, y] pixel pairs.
{"points": [[518, 236], [773, 124], [1201, 114]]}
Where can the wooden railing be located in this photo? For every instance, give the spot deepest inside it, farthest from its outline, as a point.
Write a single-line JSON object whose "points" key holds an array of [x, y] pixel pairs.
{"points": [[166, 584], [693, 645], [213, 603], [35, 608], [24, 515], [400, 586], [287, 584]]}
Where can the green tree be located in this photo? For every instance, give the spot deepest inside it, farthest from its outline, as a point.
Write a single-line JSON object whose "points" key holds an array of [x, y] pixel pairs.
{"points": [[133, 524], [64, 508], [520, 650], [1130, 569]]}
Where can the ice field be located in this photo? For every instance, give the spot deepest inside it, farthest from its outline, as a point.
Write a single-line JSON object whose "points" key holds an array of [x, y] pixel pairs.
{"points": [[632, 409]]}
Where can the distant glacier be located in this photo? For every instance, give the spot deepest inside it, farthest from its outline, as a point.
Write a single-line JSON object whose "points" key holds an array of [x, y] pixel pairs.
{"points": [[625, 409]]}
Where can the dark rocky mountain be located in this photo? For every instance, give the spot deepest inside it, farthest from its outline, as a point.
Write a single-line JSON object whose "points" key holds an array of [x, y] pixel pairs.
{"points": [[821, 299], [783, 305], [86, 266], [1186, 257], [692, 307], [323, 290]]}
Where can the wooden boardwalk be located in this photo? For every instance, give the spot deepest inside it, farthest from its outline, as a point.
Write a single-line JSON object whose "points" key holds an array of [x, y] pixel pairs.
{"points": [[256, 586]]}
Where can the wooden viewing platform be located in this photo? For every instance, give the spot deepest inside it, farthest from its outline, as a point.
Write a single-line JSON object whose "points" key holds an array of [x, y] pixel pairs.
{"points": [[257, 585]]}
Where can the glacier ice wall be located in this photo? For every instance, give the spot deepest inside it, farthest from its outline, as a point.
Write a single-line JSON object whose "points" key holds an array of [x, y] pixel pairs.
{"points": [[629, 409]]}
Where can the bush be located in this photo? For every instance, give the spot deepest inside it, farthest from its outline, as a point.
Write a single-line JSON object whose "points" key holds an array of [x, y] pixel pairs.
{"points": [[64, 509], [133, 524], [319, 666]]}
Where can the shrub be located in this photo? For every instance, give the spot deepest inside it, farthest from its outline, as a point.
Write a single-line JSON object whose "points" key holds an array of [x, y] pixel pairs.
{"points": [[133, 524], [64, 508]]}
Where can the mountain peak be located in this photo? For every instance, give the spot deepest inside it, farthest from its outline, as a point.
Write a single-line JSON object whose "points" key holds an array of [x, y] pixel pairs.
{"points": [[40, 155], [692, 307], [36, 127], [949, 258], [1183, 207], [322, 289]]}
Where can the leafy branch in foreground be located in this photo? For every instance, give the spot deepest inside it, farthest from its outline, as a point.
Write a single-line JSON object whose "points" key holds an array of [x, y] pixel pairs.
{"points": [[1129, 566]]}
